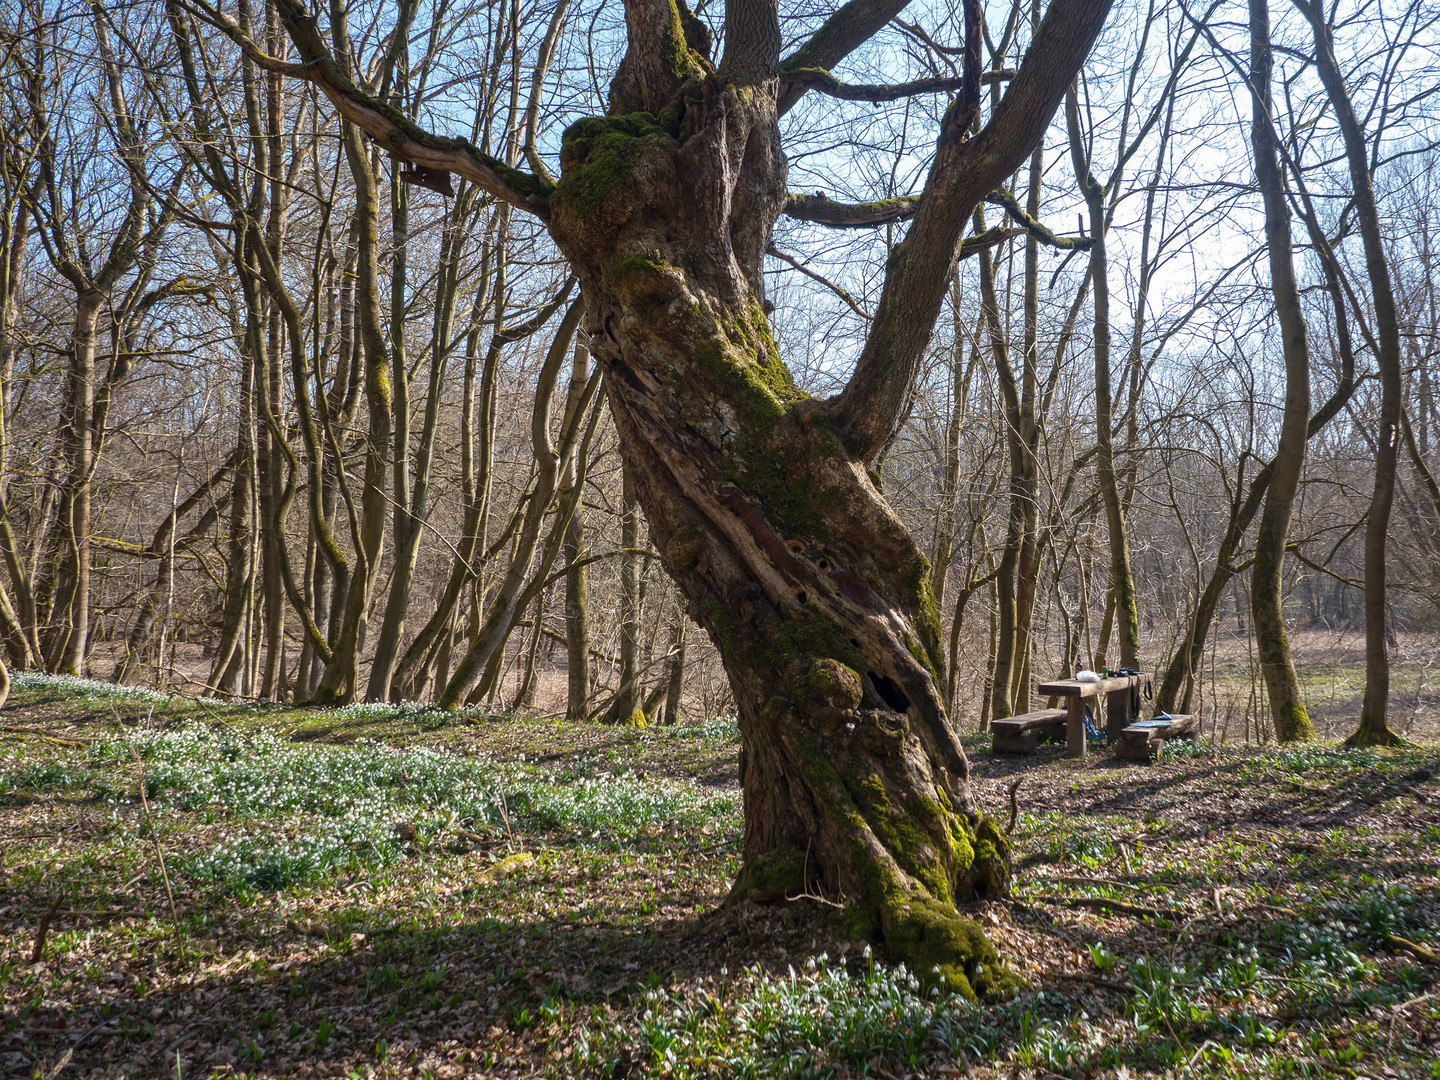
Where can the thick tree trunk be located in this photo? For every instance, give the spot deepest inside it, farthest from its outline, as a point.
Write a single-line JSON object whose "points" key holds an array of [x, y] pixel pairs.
{"points": [[758, 498], [816, 595], [1287, 707]]}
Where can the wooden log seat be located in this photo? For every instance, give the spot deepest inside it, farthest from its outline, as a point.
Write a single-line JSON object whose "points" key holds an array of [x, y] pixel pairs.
{"points": [[1021, 734], [1145, 741]]}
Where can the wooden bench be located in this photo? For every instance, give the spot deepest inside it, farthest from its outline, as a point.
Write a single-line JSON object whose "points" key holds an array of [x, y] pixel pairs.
{"points": [[1146, 740], [1117, 690], [1021, 734]]}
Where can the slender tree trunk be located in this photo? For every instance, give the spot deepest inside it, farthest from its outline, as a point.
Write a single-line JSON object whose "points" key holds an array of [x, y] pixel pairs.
{"points": [[270, 453], [675, 678], [1003, 668], [1287, 706], [1373, 729], [341, 681], [22, 640], [627, 696], [1027, 566], [407, 513], [510, 597], [239, 570], [577, 624], [73, 596], [1122, 579]]}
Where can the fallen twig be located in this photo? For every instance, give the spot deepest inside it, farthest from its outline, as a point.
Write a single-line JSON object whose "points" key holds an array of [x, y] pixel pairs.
{"points": [[59, 740], [817, 899], [1428, 955], [1413, 1001], [1107, 882], [44, 928], [155, 837]]}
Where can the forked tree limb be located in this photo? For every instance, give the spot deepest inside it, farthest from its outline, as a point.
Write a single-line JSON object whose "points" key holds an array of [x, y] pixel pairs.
{"points": [[870, 408], [1002, 198], [841, 34]]}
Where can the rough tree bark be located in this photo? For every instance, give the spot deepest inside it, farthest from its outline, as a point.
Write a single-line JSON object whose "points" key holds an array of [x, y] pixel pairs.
{"points": [[757, 495]]}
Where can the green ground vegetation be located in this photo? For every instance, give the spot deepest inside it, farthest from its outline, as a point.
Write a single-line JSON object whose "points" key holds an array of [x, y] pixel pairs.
{"points": [[392, 891]]}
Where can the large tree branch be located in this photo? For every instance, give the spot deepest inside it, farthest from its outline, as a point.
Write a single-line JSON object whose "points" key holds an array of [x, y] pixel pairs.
{"points": [[1003, 198], [803, 79], [823, 210], [870, 408], [388, 126], [854, 24]]}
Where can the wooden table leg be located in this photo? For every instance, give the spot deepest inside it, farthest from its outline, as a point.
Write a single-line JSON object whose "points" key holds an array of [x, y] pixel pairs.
{"points": [[1117, 714], [1075, 727]]}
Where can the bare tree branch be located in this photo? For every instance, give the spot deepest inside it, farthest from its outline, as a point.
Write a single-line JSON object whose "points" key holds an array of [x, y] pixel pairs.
{"points": [[964, 171], [386, 125], [854, 24], [823, 210]]}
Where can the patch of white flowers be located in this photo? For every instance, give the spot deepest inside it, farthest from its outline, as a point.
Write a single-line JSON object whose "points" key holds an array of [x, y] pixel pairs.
{"points": [[716, 729], [74, 686], [328, 809], [809, 1023]]}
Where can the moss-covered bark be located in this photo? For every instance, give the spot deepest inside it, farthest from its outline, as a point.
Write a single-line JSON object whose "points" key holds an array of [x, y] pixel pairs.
{"points": [[819, 600]]}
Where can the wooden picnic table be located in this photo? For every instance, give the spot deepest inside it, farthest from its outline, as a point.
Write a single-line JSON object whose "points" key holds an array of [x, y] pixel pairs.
{"points": [[1117, 690]]}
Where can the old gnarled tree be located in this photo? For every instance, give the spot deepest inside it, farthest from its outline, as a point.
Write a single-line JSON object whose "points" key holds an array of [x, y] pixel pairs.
{"points": [[758, 496]]}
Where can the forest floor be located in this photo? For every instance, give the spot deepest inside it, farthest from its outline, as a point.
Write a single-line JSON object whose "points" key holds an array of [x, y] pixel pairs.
{"points": [[377, 892]]}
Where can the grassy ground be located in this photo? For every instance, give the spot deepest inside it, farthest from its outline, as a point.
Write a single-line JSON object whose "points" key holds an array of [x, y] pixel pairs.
{"points": [[378, 892]]}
